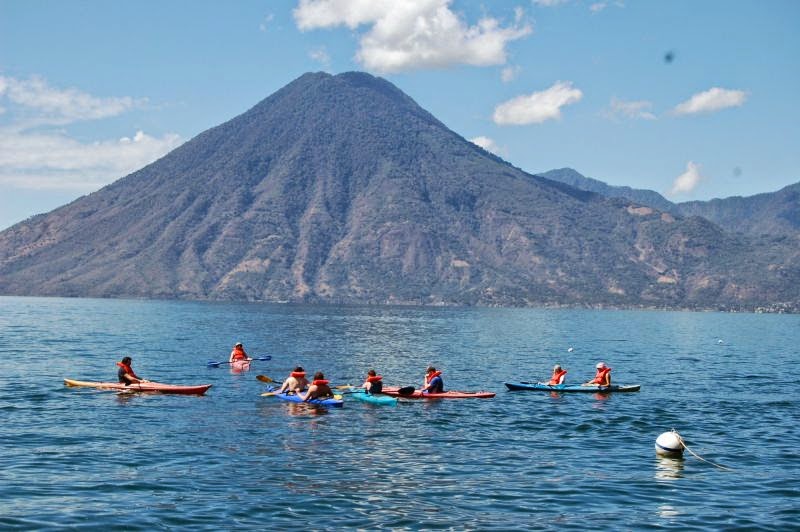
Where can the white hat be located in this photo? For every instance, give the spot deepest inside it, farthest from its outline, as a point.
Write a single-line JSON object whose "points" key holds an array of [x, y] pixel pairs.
{"points": [[600, 365]]}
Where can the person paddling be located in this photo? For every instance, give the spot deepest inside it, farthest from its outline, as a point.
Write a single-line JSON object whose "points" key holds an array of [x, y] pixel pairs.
{"points": [[558, 376], [373, 384], [296, 382], [433, 382], [319, 388], [238, 353], [602, 377], [126, 375]]}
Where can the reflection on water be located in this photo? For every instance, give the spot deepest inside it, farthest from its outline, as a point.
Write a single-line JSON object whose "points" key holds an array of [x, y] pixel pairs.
{"points": [[668, 469], [306, 410], [666, 511]]}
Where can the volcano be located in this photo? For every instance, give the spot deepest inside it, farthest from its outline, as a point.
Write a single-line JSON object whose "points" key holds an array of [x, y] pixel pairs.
{"points": [[341, 189]]}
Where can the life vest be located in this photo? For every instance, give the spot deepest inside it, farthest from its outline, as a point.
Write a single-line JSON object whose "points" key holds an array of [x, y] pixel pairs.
{"points": [[432, 376], [319, 382], [376, 378], [600, 377], [128, 370], [556, 378], [435, 383], [238, 354], [298, 374]]}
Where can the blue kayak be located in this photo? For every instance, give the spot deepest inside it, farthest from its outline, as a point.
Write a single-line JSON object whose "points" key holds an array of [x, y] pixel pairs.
{"points": [[376, 399], [538, 386], [294, 398]]}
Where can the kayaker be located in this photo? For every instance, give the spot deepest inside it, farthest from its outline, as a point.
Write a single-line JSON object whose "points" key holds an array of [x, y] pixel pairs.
{"points": [[296, 382], [433, 382], [558, 376], [319, 388], [238, 353], [126, 375], [602, 377], [374, 383]]}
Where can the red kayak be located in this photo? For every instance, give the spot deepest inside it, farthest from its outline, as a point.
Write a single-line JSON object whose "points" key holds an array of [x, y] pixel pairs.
{"points": [[410, 393], [156, 387]]}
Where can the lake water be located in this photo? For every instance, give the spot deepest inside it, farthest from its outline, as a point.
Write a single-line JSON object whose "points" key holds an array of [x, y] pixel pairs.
{"points": [[78, 457]]}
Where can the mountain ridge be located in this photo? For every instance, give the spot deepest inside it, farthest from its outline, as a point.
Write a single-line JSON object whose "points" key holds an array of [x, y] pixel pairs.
{"points": [[766, 213]]}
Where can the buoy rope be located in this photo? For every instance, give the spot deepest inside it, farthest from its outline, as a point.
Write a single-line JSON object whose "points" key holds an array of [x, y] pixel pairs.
{"points": [[683, 443]]}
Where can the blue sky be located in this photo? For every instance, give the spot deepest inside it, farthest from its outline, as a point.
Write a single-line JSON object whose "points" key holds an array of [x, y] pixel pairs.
{"points": [[695, 100]]}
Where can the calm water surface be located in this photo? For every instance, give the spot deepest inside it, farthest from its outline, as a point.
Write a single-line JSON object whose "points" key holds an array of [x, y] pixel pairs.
{"points": [[82, 458]]}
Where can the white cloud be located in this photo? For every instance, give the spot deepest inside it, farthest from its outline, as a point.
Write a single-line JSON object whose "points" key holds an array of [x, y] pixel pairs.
{"points": [[598, 7], [489, 145], [265, 22], [56, 161], [549, 3], [537, 107], [34, 155], [687, 181], [630, 109], [711, 100], [407, 35], [510, 73], [61, 106], [321, 56]]}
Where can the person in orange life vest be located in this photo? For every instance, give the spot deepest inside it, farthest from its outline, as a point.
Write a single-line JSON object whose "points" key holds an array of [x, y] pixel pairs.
{"points": [[125, 373], [433, 382], [558, 376], [373, 383], [602, 377], [319, 388], [238, 353], [296, 382]]}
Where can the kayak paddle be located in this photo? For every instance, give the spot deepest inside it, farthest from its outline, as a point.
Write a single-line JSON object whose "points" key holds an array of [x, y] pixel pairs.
{"points": [[213, 364], [264, 378], [406, 390]]}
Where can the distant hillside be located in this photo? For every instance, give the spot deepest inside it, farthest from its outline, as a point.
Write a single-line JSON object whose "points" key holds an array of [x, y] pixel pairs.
{"points": [[341, 189], [774, 213], [641, 196]]}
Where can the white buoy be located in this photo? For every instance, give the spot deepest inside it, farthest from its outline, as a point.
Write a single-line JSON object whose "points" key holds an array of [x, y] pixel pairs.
{"points": [[669, 444], [569, 350], [720, 341]]}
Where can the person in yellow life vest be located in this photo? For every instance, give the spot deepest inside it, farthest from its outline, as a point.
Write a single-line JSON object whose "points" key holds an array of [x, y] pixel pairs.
{"points": [[602, 377], [319, 388], [558, 376], [238, 353], [295, 383], [374, 383]]}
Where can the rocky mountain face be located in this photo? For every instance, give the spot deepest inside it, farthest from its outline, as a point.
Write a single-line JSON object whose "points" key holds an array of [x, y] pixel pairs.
{"points": [[770, 214], [341, 189]]}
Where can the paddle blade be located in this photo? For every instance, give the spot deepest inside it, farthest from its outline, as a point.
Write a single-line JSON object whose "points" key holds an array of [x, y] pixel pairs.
{"points": [[212, 364], [264, 378], [269, 394], [265, 357], [407, 390]]}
